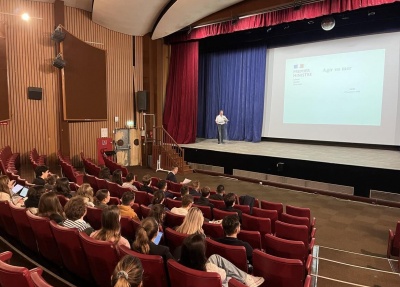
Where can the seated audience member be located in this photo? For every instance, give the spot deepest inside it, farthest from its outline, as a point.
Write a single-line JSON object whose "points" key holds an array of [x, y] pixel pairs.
{"points": [[171, 176], [130, 178], [230, 200], [50, 207], [62, 187], [193, 255], [187, 202], [194, 188], [157, 211], [41, 174], [32, 201], [158, 198], [105, 173], [75, 211], [204, 198], [146, 180], [144, 240], [128, 273], [193, 222], [86, 191], [220, 193], [117, 176], [51, 181], [5, 188], [110, 227], [127, 200], [162, 185], [101, 199], [184, 191], [231, 227]]}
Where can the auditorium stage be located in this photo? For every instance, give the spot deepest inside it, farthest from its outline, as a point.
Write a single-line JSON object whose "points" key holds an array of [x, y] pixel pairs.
{"points": [[362, 168]]}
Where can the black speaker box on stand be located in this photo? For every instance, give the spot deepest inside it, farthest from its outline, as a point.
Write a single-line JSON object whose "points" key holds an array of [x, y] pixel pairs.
{"points": [[141, 98], [34, 93]]}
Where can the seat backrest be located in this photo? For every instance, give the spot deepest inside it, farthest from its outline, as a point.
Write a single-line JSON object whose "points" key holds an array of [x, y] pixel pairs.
{"points": [[173, 220], [279, 272], [90, 179], [70, 247], [235, 254], [265, 213], [181, 276], [38, 280], [272, 206], [114, 201], [44, 237], [121, 190], [220, 214], [251, 237], [102, 257], [171, 203], [128, 229], [235, 283], [144, 210], [207, 213], [25, 231], [173, 238], [7, 220], [141, 197], [154, 181], [285, 248], [112, 188], [217, 203], [213, 230], [93, 216], [296, 220], [243, 208], [14, 276], [396, 239], [292, 232], [263, 225], [153, 265], [101, 183], [63, 200], [298, 211]]}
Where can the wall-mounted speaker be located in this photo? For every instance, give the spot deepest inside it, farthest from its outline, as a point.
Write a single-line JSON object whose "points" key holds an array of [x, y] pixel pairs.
{"points": [[35, 93], [141, 97]]}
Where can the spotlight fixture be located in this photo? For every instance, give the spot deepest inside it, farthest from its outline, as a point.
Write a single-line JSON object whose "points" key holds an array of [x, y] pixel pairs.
{"points": [[58, 62], [269, 29], [58, 35], [328, 23], [371, 13], [286, 27], [25, 17]]}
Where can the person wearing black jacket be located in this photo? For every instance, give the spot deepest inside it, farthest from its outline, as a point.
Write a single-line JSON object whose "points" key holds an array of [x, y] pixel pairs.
{"points": [[171, 176], [229, 200], [146, 180], [220, 193], [204, 198]]}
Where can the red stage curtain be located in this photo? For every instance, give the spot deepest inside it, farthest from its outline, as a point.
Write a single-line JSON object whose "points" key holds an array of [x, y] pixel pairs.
{"points": [[180, 110], [278, 17]]}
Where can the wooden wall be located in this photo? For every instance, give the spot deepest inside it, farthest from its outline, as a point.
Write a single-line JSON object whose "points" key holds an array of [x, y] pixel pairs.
{"points": [[30, 53]]}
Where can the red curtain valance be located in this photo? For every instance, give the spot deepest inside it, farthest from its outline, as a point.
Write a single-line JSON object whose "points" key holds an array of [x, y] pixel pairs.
{"points": [[309, 11]]}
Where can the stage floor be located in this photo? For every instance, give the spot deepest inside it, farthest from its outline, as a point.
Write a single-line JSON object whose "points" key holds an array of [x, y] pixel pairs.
{"points": [[366, 157]]}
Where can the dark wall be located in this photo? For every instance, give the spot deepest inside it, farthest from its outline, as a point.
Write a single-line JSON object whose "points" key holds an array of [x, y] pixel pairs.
{"points": [[4, 108], [84, 81]]}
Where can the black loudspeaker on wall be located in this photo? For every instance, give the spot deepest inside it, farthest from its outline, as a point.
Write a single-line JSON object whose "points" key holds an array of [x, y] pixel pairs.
{"points": [[141, 97], [34, 93]]}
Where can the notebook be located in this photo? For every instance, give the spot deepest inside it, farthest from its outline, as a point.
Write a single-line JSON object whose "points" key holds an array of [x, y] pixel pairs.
{"points": [[23, 192], [17, 188]]}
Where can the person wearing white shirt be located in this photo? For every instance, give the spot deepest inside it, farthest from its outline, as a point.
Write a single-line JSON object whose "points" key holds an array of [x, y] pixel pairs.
{"points": [[221, 120]]}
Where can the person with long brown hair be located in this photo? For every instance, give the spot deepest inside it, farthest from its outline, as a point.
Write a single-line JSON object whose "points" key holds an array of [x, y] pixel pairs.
{"points": [[5, 186], [157, 211], [117, 177], [128, 273], [62, 187], [111, 227], [101, 199], [34, 195], [49, 206], [144, 240], [193, 222], [86, 191]]}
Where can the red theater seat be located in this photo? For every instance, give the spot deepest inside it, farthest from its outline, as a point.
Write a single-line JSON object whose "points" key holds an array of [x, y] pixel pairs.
{"points": [[235, 254], [7, 220], [173, 220], [298, 221], [294, 232], [38, 280], [25, 231], [268, 205], [235, 283], [181, 276], [128, 228], [213, 230], [220, 214], [206, 210], [144, 210], [93, 217], [251, 237], [153, 265], [393, 247], [220, 204], [174, 239], [300, 212], [264, 213]]}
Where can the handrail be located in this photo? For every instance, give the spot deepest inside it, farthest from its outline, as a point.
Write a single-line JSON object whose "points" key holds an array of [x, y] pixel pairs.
{"points": [[167, 150]]}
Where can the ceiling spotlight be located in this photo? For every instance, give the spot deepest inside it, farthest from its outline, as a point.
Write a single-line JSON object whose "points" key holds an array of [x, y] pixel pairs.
{"points": [[328, 23], [25, 17], [372, 13], [58, 62], [58, 35], [269, 29], [286, 27]]}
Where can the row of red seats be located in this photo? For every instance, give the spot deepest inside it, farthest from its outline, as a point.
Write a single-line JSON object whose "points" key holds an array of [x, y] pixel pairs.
{"points": [[9, 161], [19, 276], [393, 247], [114, 166], [36, 159], [90, 167], [68, 170]]}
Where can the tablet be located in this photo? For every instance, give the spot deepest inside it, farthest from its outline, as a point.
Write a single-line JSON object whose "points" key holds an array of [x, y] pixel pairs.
{"points": [[158, 238], [24, 192], [17, 188]]}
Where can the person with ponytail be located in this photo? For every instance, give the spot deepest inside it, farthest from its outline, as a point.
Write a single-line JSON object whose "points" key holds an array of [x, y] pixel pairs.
{"points": [[128, 273], [145, 237]]}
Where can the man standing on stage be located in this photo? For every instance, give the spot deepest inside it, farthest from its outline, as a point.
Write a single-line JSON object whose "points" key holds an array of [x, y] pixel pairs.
{"points": [[221, 120]]}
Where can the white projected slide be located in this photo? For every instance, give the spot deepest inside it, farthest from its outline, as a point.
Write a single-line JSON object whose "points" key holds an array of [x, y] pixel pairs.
{"points": [[343, 90]]}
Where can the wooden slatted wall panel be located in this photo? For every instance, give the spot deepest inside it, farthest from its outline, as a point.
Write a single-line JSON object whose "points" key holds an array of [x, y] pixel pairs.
{"points": [[30, 52], [120, 77]]}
